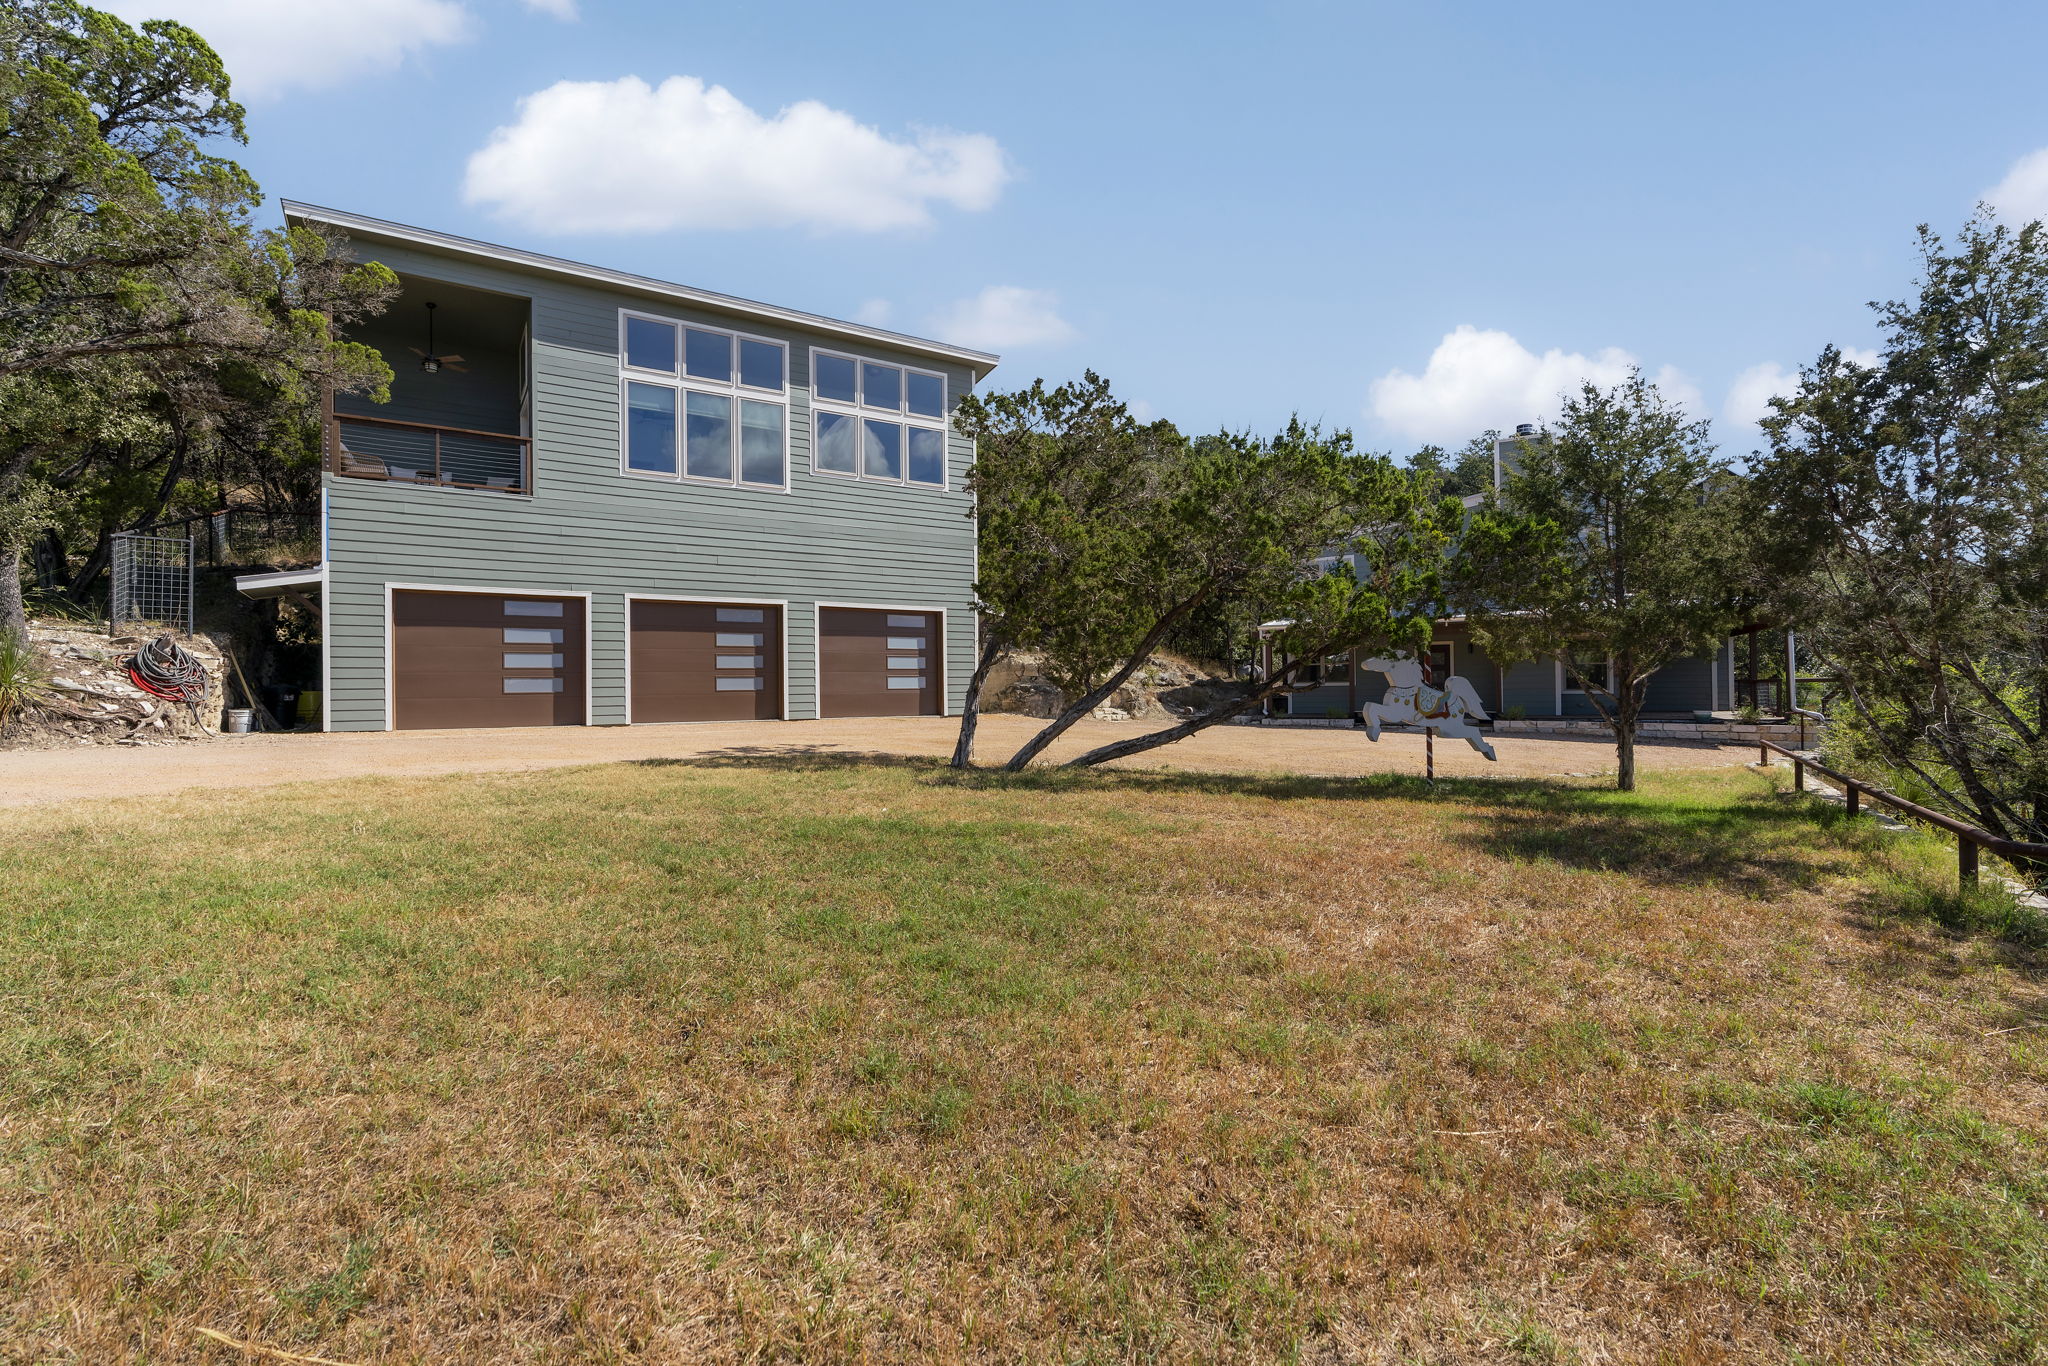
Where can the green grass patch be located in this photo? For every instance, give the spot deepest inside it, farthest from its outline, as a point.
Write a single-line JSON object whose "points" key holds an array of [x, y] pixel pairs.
{"points": [[844, 1062]]}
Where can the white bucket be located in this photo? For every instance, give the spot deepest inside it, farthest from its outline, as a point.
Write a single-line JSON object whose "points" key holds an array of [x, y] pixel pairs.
{"points": [[240, 721]]}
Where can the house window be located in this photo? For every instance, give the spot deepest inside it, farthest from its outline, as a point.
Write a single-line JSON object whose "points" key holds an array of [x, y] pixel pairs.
{"points": [[883, 423], [1595, 671], [702, 404]]}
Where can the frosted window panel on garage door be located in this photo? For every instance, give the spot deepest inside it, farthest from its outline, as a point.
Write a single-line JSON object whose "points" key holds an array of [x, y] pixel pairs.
{"points": [[905, 662], [739, 685], [533, 635], [741, 614], [533, 685], [906, 642], [905, 619], [746, 640], [905, 682], [739, 661], [515, 608], [534, 661]]}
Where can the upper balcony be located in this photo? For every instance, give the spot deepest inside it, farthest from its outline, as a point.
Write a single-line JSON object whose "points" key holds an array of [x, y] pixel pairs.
{"points": [[460, 410]]}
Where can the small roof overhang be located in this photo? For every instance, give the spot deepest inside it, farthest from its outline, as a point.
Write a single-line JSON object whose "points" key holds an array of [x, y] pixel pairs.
{"points": [[362, 225], [278, 583]]}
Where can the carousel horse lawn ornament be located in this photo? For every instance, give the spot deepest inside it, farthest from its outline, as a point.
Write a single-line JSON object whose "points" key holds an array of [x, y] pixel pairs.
{"points": [[1409, 701]]}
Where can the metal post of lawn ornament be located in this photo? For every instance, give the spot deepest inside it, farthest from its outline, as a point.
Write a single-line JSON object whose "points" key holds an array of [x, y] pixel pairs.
{"points": [[1428, 731]]}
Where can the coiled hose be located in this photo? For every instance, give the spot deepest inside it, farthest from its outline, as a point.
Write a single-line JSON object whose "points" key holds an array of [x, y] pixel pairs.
{"points": [[166, 669]]}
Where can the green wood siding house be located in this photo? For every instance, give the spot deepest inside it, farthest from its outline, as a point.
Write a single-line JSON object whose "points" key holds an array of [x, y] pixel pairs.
{"points": [[596, 498]]}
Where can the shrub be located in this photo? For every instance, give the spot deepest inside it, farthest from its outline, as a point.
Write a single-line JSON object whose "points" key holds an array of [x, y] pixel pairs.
{"points": [[24, 674]]}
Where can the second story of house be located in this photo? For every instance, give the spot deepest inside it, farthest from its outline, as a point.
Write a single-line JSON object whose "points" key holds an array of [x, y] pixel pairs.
{"points": [[528, 386]]}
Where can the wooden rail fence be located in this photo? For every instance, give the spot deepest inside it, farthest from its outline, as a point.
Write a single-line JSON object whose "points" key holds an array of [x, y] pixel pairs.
{"points": [[1969, 839]]}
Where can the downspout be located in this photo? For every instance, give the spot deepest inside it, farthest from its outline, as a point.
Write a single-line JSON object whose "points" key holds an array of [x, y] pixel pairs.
{"points": [[1791, 674], [326, 614]]}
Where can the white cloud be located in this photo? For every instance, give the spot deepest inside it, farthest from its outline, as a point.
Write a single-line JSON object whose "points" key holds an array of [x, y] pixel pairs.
{"points": [[270, 46], [1478, 379], [1749, 397], [875, 313], [1002, 317], [2023, 195], [624, 156], [561, 9]]}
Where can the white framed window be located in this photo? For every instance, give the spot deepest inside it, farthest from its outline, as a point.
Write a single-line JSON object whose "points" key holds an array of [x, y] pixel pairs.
{"points": [[1600, 671], [702, 404], [876, 421]]}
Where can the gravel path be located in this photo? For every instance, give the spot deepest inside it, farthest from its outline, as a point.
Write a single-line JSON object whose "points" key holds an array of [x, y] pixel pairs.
{"points": [[36, 777]]}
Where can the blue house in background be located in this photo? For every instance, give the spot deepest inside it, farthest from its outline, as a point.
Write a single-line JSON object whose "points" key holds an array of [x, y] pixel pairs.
{"points": [[1539, 690]]}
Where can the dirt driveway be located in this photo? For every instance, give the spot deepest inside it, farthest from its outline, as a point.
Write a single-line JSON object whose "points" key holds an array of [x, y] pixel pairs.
{"points": [[35, 777]]}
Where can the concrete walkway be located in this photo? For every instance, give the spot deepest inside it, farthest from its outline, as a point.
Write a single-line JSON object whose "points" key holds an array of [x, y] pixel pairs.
{"points": [[37, 777]]}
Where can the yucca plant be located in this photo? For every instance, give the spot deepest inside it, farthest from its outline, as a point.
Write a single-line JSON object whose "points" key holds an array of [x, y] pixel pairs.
{"points": [[24, 674]]}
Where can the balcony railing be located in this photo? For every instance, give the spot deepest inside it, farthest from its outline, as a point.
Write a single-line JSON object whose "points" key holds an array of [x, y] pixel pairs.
{"points": [[422, 453]]}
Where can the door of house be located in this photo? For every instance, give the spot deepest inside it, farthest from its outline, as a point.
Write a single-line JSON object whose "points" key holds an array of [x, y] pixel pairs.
{"points": [[486, 659], [705, 661], [875, 662]]}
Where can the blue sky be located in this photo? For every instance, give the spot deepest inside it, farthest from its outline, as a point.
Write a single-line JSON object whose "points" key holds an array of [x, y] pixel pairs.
{"points": [[1417, 220]]}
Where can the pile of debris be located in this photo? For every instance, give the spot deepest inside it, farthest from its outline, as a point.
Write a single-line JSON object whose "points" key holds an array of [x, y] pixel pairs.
{"points": [[90, 699], [1166, 687]]}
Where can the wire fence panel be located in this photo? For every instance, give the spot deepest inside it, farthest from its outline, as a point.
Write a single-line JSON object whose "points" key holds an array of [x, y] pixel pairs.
{"points": [[244, 536], [152, 582]]}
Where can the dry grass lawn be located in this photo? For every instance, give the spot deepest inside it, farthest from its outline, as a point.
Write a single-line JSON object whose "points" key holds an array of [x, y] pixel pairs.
{"points": [[860, 1061]]}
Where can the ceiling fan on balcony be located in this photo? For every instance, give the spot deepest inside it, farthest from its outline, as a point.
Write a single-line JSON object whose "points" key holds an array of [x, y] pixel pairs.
{"points": [[430, 362]]}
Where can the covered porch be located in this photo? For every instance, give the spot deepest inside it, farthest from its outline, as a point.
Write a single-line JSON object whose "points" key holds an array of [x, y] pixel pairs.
{"points": [[459, 415]]}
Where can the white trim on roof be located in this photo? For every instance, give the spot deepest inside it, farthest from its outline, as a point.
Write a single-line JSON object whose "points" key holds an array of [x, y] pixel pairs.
{"points": [[274, 584], [981, 362]]}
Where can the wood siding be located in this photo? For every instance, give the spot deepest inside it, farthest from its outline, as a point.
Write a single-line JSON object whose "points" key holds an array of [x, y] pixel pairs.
{"points": [[589, 528]]}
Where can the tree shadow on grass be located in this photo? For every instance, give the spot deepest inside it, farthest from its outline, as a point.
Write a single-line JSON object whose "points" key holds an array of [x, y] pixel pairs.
{"points": [[792, 758], [1756, 847], [1758, 844], [1987, 915]]}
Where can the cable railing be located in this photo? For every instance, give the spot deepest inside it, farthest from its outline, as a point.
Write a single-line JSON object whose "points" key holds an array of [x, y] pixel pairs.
{"points": [[424, 453]]}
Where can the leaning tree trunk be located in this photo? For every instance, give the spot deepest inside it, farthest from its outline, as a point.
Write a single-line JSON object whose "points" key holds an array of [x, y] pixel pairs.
{"points": [[13, 617], [1106, 689], [1060, 724], [1138, 744], [95, 564], [970, 713]]}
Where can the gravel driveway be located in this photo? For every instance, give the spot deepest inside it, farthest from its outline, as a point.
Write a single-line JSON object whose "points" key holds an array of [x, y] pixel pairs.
{"points": [[34, 777]]}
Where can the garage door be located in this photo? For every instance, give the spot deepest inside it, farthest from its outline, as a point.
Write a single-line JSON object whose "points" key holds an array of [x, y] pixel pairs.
{"points": [[878, 663], [706, 661], [486, 659]]}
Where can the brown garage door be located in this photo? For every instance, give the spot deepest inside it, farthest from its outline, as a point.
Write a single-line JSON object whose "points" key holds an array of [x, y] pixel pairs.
{"points": [[879, 663], [706, 661], [486, 659]]}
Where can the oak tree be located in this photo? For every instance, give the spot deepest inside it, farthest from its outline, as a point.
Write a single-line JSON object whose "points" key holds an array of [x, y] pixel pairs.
{"points": [[1614, 546]]}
